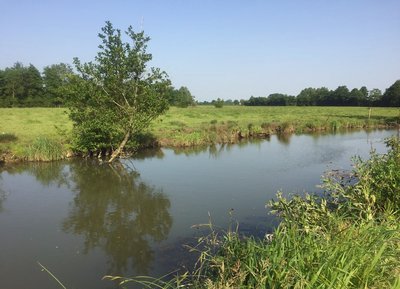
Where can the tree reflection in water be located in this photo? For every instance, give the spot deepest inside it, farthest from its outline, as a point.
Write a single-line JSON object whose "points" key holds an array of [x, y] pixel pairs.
{"points": [[112, 209], [3, 196], [117, 212]]}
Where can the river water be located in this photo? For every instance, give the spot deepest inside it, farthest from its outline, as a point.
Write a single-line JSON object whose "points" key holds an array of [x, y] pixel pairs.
{"points": [[82, 220]]}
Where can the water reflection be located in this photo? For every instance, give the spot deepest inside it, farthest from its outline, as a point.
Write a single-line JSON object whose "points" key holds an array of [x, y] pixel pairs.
{"points": [[117, 212], [149, 154], [216, 150], [284, 138], [47, 173], [3, 196], [111, 208]]}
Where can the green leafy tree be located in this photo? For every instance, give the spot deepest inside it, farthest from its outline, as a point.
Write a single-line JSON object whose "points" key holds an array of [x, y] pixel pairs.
{"points": [[115, 96], [391, 97], [219, 103], [355, 97], [322, 96], [339, 96], [21, 86], [374, 97], [13, 84], [365, 94], [3, 97], [307, 96], [180, 97], [55, 79], [33, 87]]}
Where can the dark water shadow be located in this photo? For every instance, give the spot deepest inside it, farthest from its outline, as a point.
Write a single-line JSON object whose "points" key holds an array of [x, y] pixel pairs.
{"points": [[112, 209], [216, 150], [117, 212]]}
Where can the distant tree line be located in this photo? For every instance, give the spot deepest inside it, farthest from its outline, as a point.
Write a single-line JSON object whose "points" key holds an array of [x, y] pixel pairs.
{"points": [[26, 86], [180, 97], [341, 96], [22, 86]]}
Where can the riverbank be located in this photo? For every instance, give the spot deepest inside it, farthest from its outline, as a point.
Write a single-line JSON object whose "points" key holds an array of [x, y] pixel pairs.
{"points": [[21, 129]]}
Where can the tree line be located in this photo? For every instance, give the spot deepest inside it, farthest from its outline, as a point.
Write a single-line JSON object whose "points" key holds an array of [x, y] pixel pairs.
{"points": [[341, 96], [26, 86], [22, 86]]}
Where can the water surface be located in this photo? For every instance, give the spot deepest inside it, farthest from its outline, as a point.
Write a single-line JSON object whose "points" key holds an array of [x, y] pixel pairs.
{"points": [[83, 220]]}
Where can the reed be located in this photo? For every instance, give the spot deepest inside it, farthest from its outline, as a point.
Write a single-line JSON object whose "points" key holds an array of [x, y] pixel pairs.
{"points": [[44, 149]]}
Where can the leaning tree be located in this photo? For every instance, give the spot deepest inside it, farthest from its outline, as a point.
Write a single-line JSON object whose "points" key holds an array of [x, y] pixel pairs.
{"points": [[115, 96]]}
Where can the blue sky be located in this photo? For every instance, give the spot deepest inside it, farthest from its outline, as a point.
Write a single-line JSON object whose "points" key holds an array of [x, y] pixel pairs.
{"points": [[227, 49]]}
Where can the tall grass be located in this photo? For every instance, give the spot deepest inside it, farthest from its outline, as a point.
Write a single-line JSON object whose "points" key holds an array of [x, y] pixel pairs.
{"points": [[358, 257], [44, 149]]}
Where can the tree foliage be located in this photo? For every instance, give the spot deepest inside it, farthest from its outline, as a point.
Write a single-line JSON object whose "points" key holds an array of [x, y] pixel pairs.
{"points": [[219, 103], [25, 86], [180, 97], [391, 97], [341, 96], [21, 86], [55, 79], [116, 96]]}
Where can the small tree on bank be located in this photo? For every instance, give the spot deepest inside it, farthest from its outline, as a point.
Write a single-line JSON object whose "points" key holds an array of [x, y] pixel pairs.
{"points": [[116, 96]]}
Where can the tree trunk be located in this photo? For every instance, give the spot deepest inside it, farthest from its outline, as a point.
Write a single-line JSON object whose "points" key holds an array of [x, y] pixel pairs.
{"points": [[118, 151]]}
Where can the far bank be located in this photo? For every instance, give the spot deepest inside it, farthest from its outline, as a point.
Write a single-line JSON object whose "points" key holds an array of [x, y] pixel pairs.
{"points": [[23, 131]]}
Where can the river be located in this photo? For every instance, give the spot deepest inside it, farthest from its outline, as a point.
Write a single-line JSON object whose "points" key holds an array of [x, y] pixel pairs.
{"points": [[83, 220]]}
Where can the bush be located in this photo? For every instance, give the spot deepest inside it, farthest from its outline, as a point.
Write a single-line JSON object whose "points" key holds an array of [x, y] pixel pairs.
{"points": [[219, 103]]}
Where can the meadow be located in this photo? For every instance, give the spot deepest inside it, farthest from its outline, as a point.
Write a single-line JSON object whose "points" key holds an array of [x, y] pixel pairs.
{"points": [[22, 128], [206, 124]]}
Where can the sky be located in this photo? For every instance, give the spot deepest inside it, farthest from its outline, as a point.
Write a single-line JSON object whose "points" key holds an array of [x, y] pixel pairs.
{"points": [[229, 49]]}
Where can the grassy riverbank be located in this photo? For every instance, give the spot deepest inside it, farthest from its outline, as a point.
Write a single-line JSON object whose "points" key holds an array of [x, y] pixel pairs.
{"points": [[349, 238], [207, 124], [20, 128], [24, 129]]}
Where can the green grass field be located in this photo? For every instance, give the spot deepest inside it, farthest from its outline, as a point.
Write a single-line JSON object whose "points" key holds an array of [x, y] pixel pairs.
{"points": [[207, 124], [195, 125], [28, 124]]}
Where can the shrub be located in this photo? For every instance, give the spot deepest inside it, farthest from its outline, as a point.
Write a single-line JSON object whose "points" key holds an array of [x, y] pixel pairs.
{"points": [[219, 103]]}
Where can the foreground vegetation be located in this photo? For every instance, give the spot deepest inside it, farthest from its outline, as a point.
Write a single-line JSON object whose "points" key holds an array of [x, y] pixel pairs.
{"points": [[347, 238], [24, 130]]}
